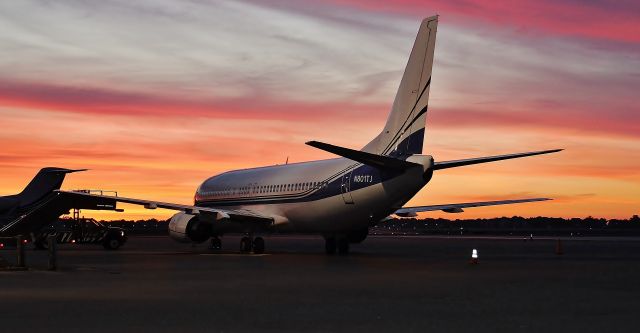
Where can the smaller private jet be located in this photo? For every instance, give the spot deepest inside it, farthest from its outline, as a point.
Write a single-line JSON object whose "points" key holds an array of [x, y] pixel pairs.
{"points": [[39, 204]]}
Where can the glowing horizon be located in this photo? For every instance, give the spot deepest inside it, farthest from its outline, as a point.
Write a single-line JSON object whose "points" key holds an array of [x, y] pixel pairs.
{"points": [[156, 96]]}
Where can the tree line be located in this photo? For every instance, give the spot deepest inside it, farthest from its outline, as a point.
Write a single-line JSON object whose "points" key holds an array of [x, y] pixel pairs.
{"points": [[515, 225]]}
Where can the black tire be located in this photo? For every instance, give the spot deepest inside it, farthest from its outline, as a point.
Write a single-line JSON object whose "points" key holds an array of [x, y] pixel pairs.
{"points": [[245, 245], [330, 245], [343, 246], [112, 243], [258, 245]]}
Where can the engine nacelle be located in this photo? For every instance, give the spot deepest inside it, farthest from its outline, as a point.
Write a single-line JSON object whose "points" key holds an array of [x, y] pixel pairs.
{"points": [[189, 228]]}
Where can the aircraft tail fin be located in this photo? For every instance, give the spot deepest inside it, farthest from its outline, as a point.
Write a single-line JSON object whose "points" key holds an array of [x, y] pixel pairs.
{"points": [[46, 181], [403, 134]]}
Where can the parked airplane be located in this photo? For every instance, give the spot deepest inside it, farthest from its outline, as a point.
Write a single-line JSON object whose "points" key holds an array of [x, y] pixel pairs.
{"points": [[39, 204], [338, 198]]}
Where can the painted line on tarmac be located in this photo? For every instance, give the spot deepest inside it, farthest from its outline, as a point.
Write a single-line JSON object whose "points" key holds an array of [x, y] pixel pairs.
{"points": [[234, 254]]}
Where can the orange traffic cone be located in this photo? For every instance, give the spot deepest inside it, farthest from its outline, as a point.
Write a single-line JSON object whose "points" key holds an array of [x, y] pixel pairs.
{"points": [[559, 247], [474, 257]]}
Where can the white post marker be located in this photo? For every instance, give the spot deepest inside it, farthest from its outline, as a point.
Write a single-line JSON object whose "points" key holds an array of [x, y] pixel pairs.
{"points": [[474, 257]]}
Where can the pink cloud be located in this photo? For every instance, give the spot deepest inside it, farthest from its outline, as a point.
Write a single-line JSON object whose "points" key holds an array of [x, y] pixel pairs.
{"points": [[607, 20], [539, 115], [89, 100]]}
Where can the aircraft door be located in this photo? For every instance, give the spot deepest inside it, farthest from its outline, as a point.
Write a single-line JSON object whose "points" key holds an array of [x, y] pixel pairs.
{"points": [[346, 188]]}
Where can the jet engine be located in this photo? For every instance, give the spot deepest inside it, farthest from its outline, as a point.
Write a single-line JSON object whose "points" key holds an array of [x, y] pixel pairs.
{"points": [[189, 228]]}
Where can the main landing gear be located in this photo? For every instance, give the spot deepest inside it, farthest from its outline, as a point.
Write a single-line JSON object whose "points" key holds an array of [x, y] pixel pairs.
{"points": [[336, 243], [248, 243]]}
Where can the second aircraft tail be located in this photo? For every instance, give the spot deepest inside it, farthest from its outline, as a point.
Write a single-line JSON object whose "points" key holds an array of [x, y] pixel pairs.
{"points": [[46, 181]]}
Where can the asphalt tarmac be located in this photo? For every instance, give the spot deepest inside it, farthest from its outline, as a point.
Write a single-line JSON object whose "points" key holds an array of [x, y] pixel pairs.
{"points": [[387, 284]]}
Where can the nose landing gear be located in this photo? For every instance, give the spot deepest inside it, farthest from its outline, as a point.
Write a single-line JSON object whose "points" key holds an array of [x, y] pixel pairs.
{"points": [[216, 243]]}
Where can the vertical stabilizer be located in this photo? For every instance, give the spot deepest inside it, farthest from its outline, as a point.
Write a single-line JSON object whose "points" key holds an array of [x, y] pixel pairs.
{"points": [[403, 134], [46, 181]]}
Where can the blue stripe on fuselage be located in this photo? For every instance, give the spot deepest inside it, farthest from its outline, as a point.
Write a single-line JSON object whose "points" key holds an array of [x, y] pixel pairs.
{"points": [[361, 177]]}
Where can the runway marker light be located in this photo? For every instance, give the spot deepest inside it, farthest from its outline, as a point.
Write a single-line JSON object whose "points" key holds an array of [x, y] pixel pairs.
{"points": [[474, 257]]}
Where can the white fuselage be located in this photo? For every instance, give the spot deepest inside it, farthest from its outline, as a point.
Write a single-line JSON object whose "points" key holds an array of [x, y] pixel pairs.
{"points": [[319, 197]]}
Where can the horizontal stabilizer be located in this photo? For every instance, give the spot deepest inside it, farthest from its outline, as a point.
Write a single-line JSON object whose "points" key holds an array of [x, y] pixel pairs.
{"points": [[62, 170], [470, 161], [377, 161], [458, 208]]}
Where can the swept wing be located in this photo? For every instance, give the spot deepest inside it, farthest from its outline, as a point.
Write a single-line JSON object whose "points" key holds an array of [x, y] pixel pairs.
{"points": [[458, 207], [239, 215]]}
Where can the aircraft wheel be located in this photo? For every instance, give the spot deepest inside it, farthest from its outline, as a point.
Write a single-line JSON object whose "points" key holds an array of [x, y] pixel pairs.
{"points": [[216, 243], [112, 243], [343, 246], [330, 245], [258, 245], [245, 245]]}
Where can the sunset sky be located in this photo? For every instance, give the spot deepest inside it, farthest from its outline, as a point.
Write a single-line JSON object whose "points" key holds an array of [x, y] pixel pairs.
{"points": [[154, 96]]}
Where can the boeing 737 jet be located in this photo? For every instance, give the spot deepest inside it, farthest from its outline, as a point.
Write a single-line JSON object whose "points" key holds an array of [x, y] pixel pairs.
{"points": [[339, 198]]}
